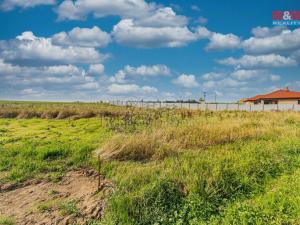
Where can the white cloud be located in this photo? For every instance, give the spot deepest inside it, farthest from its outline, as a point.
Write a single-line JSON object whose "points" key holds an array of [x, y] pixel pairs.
{"points": [[246, 74], [79, 9], [218, 41], [260, 61], [7, 5], [202, 20], [212, 76], [187, 81], [119, 77], [27, 49], [154, 70], [128, 32], [223, 83], [203, 33], [262, 32], [129, 88], [141, 71], [284, 41], [163, 17], [223, 41], [148, 89], [29, 91], [275, 77], [195, 8], [84, 37], [46, 77], [96, 69]]}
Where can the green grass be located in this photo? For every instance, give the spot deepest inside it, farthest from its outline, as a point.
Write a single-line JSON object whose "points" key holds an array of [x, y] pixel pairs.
{"points": [[182, 168], [36, 147], [6, 220]]}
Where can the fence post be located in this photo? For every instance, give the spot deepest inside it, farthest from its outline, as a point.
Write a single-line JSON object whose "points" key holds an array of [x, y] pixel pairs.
{"points": [[216, 106], [238, 105], [293, 107], [99, 172], [250, 106]]}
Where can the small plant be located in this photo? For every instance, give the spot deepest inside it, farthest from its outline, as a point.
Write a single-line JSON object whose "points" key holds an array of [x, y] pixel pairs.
{"points": [[52, 192], [69, 208], [45, 207], [6, 220]]}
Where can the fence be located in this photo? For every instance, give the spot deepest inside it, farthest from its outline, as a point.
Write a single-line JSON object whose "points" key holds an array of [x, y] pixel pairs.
{"points": [[210, 106]]}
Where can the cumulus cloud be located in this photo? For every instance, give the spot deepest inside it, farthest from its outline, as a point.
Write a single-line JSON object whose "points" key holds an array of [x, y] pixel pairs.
{"points": [[79, 9], [154, 70], [141, 71], [260, 61], [163, 17], [96, 69], [284, 40], [258, 75], [223, 41], [128, 32], [84, 37], [246, 74], [218, 41], [187, 81], [195, 8], [27, 49], [223, 83], [262, 32], [46, 77], [202, 20], [212, 76], [130, 88], [8, 5]]}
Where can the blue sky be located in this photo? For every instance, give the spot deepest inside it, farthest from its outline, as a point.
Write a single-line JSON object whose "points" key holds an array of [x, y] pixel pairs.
{"points": [[91, 50]]}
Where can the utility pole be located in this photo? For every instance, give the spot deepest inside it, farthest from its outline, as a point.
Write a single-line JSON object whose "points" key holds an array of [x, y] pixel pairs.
{"points": [[215, 97], [204, 96]]}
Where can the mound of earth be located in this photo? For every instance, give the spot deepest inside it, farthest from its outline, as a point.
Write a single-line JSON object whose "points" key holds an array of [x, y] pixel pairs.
{"points": [[74, 200]]}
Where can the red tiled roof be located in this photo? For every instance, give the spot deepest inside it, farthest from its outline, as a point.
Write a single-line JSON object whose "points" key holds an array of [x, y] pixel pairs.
{"points": [[279, 94]]}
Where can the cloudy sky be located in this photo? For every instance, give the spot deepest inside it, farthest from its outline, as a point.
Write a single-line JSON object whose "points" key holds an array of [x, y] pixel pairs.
{"points": [[91, 50]]}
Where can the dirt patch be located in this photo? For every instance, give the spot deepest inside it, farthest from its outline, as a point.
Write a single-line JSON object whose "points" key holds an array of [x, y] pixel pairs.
{"points": [[74, 200]]}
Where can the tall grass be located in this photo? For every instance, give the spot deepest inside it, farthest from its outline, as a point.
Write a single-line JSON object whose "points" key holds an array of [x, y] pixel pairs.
{"points": [[167, 166]]}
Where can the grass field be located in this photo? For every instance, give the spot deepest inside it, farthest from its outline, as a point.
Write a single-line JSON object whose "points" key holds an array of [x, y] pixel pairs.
{"points": [[168, 166]]}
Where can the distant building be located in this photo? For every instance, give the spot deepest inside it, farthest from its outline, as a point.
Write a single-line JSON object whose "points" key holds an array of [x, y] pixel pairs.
{"points": [[282, 96]]}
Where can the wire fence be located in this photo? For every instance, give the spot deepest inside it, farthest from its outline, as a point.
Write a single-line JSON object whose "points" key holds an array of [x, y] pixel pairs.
{"points": [[210, 106]]}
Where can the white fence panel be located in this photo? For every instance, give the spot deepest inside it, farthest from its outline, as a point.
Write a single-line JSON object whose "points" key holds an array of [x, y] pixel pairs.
{"points": [[286, 107], [270, 107], [210, 106]]}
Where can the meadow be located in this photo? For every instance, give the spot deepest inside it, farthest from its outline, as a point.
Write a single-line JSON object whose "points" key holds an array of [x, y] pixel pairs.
{"points": [[167, 166]]}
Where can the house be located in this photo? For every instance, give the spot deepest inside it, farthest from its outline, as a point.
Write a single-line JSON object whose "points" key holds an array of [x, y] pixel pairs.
{"points": [[282, 96]]}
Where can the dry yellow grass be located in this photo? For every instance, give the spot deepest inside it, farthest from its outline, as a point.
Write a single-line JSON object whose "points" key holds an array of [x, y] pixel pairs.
{"points": [[197, 133]]}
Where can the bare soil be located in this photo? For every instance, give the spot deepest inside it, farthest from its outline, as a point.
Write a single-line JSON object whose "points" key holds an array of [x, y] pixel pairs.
{"points": [[73, 200]]}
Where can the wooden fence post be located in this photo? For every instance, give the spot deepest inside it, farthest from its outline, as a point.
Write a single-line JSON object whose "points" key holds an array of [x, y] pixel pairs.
{"points": [[99, 172]]}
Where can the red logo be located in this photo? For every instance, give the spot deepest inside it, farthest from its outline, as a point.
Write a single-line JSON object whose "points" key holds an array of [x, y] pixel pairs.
{"points": [[286, 15]]}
